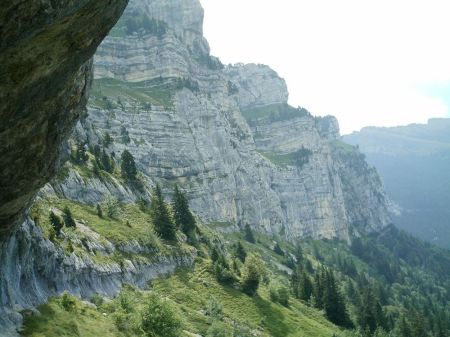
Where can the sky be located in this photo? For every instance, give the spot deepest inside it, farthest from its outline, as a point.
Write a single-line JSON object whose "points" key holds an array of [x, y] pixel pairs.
{"points": [[369, 63]]}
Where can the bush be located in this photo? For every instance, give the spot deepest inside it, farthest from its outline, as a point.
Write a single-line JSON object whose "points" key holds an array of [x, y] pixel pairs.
{"points": [[158, 318], [241, 331], [252, 273], [219, 329], [68, 302], [111, 205], [97, 299], [279, 294], [214, 308], [123, 320]]}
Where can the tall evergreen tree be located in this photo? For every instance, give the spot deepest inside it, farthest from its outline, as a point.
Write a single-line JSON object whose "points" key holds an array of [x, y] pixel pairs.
{"points": [[248, 234], [295, 280], [182, 215], [278, 250], [106, 162], [68, 218], [128, 166], [162, 221], [333, 302], [240, 252], [318, 290], [306, 287], [56, 222]]}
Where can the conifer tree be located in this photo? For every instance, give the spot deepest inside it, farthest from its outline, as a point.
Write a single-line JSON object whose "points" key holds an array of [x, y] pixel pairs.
{"points": [[160, 215], [56, 222], [278, 250], [99, 211], [333, 302], [240, 252], [182, 215], [128, 166], [306, 287], [318, 290], [248, 234], [68, 218], [295, 281], [106, 162]]}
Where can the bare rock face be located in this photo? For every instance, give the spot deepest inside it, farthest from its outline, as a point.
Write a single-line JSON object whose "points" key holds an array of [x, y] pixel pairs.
{"points": [[224, 134], [45, 54]]}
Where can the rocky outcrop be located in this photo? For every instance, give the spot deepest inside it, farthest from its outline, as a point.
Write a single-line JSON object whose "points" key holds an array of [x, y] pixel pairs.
{"points": [[33, 269], [45, 54], [226, 135]]}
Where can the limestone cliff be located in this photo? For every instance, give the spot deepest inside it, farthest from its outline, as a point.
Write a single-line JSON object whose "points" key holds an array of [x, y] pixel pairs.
{"points": [[45, 54], [225, 134]]}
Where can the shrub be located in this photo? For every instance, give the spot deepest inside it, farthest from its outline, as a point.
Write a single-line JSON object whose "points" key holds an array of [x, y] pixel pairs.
{"points": [[214, 308], [252, 273], [111, 205], [219, 329], [123, 320], [158, 318], [97, 299], [68, 302], [279, 294]]}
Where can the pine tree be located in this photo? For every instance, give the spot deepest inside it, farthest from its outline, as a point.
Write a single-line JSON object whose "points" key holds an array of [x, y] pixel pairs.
{"points": [[333, 302], [403, 329], [128, 166], [99, 211], [248, 234], [106, 162], [298, 253], [56, 222], [295, 281], [278, 250], [162, 221], [68, 218], [240, 252], [318, 290], [182, 215], [306, 287], [107, 140]]}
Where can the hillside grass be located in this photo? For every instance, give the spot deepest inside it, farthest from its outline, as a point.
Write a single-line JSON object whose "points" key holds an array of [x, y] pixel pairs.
{"points": [[297, 158], [82, 321], [191, 290], [108, 93]]}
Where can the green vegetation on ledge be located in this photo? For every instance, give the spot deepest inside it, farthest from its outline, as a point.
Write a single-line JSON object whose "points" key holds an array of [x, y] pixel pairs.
{"points": [[273, 113], [297, 158]]}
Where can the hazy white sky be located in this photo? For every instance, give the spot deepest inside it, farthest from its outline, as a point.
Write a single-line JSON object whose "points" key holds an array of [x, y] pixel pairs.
{"points": [[383, 62]]}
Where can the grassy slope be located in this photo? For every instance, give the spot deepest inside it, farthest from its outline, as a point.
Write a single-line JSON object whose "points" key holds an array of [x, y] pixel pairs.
{"points": [[191, 289], [54, 321], [147, 92]]}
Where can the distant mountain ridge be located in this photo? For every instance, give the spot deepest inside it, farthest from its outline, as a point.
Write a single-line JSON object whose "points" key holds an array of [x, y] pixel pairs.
{"points": [[414, 163]]}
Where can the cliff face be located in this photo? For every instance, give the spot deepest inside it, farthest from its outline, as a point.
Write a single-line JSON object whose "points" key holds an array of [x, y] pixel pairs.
{"points": [[45, 72], [226, 135]]}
